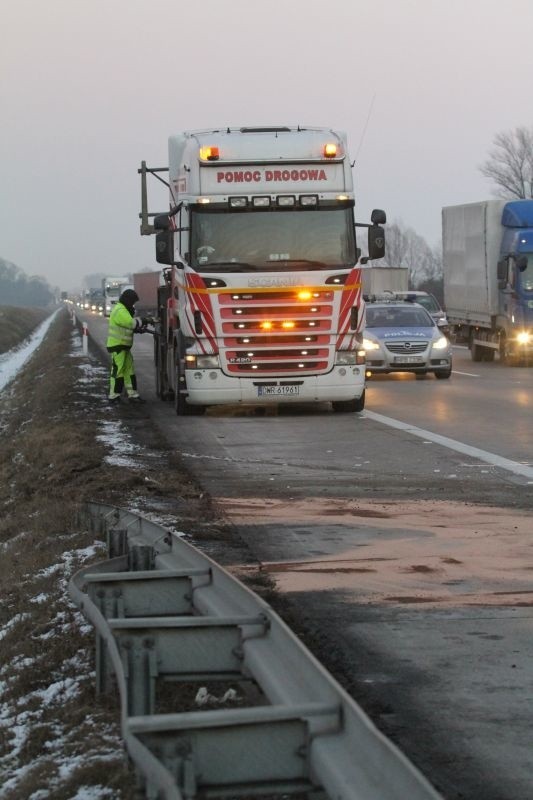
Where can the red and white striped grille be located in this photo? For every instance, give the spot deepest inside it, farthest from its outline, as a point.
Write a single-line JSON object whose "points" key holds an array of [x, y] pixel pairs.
{"points": [[276, 333]]}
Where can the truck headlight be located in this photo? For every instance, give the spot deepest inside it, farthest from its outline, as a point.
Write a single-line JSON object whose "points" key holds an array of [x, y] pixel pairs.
{"points": [[370, 344], [441, 343], [346, 357], [202, 362], [523, 338]]}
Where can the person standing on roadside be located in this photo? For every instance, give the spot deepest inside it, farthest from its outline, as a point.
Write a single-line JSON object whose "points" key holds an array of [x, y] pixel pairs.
{"points": [[122, 326]]}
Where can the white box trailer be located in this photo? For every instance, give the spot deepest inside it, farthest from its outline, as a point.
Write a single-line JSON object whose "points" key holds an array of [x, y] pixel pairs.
{"points": [[377, 280], [471, 239]]}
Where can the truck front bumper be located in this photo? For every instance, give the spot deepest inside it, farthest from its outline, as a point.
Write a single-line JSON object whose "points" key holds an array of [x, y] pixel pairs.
{"points": [[208, 387]]}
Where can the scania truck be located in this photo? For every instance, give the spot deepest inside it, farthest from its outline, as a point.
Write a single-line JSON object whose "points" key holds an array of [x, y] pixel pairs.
{"points": [[488, 277], [260, 300]]}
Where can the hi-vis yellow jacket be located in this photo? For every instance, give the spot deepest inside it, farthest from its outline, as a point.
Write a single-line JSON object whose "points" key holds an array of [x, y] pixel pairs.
{"points": [[121, 327]]}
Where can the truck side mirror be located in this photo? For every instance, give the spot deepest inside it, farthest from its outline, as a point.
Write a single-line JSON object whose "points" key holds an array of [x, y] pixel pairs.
{"points": [[164, 247], [521, 263], [161, 222], [376, 241], [502, 273], [378, 217]]}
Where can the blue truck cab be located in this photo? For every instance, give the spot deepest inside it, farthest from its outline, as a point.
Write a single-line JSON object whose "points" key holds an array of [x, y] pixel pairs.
{"points": [[488, 277], [516, 262]]}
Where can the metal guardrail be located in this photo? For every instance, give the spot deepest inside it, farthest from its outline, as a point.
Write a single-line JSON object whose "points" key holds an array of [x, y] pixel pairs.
{"points": [[163, 611]]}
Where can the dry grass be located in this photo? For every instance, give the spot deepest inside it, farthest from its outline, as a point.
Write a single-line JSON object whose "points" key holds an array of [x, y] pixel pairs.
{"points": [[55, 737], [17, 323]]}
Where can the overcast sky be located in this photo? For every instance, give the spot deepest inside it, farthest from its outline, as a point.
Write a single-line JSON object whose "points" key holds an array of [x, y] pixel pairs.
{"points": [[89, 88]]}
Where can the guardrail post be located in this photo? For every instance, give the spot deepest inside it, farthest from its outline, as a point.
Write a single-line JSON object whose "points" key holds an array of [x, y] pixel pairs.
{"points": [[117, 542], [141, 557], [140, 670], [103, 667], [85, 339]]}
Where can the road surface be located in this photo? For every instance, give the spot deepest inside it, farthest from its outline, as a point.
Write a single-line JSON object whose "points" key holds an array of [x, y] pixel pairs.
{"points": [[401, 538]]}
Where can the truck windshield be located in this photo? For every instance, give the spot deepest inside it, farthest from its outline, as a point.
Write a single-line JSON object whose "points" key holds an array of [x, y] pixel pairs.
{"points": [[526, 277], [272, 240]]}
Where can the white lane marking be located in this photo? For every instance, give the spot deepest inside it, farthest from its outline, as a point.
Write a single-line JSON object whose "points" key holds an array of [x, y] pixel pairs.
{"points": [[453, 444], [470, 374]]}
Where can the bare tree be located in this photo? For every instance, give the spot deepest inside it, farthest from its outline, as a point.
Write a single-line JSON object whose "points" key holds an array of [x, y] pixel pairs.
{"points": [[510, 163], [406, 248]]}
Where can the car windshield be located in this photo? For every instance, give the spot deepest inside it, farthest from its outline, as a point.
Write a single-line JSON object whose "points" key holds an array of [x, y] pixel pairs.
{"points": [[397, 316], [276, 240], [428, 302]]}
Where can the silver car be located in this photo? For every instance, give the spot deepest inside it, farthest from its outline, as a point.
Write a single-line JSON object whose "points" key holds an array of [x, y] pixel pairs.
{"points": [[430, 303], [403, 337]]}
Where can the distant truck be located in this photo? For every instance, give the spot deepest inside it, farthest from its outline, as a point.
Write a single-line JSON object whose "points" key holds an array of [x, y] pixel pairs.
{"points": [[488, 277], [112, 288], [377, 280], [146, 285]]}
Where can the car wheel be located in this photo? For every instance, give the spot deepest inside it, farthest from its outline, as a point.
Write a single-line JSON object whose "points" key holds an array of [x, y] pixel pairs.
{"points": [[443, 374]]}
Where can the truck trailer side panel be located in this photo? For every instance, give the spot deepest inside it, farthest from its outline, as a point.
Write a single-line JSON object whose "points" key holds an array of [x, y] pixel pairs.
{"points": [[146, 284], [471, 236], [377, 280]]}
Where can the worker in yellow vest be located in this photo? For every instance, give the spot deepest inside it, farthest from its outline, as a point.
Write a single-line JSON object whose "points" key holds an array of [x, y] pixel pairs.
{"points": [[122, 325]]}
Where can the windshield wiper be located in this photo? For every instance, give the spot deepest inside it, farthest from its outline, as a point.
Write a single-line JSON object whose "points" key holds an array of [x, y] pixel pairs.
{"points": [[305, 261], [229, 266], [268, 266]]}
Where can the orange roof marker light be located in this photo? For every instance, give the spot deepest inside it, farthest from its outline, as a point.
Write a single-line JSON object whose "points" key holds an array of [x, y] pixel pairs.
{"points": [[330, 150], [209, 153]]}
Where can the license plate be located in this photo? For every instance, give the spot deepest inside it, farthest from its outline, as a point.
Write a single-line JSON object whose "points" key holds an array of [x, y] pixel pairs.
{"points": [[408, 359], [279, 391]]}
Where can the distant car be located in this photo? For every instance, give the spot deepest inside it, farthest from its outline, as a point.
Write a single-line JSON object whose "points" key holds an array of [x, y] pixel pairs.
{"points": [[402, 336], [430, 303]]}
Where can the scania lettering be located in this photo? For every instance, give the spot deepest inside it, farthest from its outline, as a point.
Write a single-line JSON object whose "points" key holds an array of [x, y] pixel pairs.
{"points": [[260, 297]]}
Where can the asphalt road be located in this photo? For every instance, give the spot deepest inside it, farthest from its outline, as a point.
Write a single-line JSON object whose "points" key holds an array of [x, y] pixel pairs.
{"points": [[402, 539]]}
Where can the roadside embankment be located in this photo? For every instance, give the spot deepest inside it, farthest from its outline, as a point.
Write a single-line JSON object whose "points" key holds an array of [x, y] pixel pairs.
{"points": [[60, 444], [16, 324]]}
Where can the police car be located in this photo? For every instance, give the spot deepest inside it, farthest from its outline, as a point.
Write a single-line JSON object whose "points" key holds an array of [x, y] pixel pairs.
{"points": [[401, 336]]}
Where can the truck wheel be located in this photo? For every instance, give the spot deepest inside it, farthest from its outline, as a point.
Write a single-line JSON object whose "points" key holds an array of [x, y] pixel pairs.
{"points": [[504, 352], [345, 406], [180, 404], [183, 409], [488, 355], [161, 383], [443, 374], [476, 351]]}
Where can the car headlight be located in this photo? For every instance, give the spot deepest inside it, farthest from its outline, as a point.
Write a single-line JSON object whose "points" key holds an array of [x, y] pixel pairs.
{"points": [[202, 362], [441, 343], [370, 344]]}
